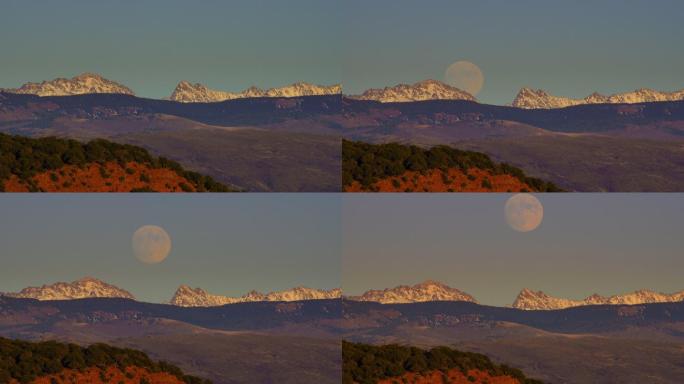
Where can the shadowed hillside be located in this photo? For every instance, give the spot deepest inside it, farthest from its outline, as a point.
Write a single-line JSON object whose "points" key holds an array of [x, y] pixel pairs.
{"points": [[576, 346], [293, 144], [550, 345], [259, 144], [587, 148], [244, 343]]}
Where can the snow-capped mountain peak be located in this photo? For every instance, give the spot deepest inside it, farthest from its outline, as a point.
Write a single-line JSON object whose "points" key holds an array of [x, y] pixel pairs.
{"points": [[428, 290], [530, 300], [539, 99], [537, 300], [86, 287], [84, 83], [186, 296], [303, 89], [422, 90], [187, 92]]}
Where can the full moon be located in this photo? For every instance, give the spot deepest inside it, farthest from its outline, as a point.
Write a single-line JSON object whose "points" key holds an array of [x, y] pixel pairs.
{"points": [[466, 76], [524, 212], [151, 244]]}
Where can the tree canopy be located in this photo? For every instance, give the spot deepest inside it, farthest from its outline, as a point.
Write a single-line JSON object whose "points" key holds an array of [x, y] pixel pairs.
{"points": [[367, 364], [26, 157], [367, 163], [25, 361]]}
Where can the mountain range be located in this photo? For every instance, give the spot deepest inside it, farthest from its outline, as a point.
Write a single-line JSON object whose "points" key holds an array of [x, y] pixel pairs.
{"points": [[186, 296], [87, 287], [427, 291], [186, 92], [538, 300], [85, 83], [420, 91], [92, 83], [527, 299], [539, 99]]}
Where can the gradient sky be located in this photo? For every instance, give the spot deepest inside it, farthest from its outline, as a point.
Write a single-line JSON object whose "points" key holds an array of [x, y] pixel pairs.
{"points": [[150, 45], [604, 243], [570, 48], [226, 244]]}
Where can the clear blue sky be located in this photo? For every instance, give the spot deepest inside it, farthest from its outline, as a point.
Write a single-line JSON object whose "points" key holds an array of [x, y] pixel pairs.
{"points": [[570, 48], [150, 45], [226, 244], [604, 243]]}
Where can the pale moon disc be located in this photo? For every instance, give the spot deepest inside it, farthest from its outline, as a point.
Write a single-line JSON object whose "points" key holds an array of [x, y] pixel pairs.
{"points": [[524, 212], [466, 76], [151, 244]]}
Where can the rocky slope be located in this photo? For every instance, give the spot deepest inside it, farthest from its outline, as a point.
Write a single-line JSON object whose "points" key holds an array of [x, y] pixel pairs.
{"points": [[186, 296], [452, 376], [86, 287], [538, 300], [77, 85], [423, 90], [539, 99], [108, 177], [187, 92], [450, 180], [98, 375], [426, 291]]}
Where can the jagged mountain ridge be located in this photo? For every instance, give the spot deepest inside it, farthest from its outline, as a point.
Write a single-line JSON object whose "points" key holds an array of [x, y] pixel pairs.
{"points": [[187, 92], [92, 83], [537, 300], [527, 299], [428, 290], [86, 287], [85, 83], [420, 91], [528, 98], [186, 296]]}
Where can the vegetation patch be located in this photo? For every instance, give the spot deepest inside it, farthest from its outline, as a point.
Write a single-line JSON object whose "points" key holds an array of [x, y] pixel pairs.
{"points": [[26, 157], [368, 163], [367, 364], [25, 361]]}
